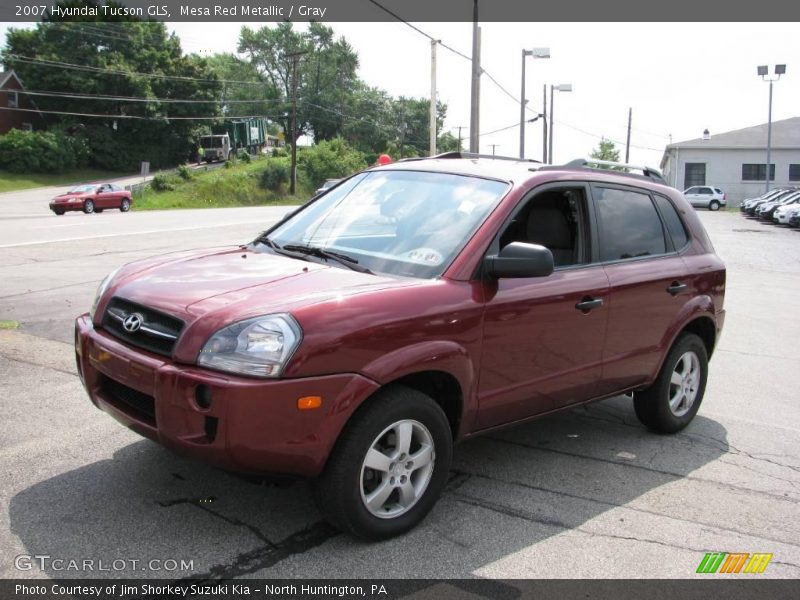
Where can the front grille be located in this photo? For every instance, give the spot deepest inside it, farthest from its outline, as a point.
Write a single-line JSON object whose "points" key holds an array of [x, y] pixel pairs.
{"points": [[130, 401], [157, 332]]}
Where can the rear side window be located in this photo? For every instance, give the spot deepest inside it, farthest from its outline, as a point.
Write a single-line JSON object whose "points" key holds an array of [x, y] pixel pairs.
{"points": [[673, 222], [629, 224]]}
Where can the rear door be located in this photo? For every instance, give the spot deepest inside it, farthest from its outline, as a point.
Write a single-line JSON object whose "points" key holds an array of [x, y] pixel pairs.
{"points": [[647, 279]]}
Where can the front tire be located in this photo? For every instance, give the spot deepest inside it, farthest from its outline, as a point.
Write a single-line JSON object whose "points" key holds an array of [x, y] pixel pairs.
{"points": [[59, 213], [125, 205], [389, 465], [714, 205], [673, 400], [88, 207]]}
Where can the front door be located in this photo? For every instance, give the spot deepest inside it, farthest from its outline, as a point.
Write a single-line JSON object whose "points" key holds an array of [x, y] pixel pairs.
{"points": [[543, 337]]}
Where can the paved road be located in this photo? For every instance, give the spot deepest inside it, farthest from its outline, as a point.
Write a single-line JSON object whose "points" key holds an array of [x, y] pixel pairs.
{"points": [[34, 202], [587, 493]]}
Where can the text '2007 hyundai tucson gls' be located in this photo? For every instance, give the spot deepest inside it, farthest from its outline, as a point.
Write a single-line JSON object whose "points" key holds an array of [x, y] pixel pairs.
{"points": [[412, 306]]}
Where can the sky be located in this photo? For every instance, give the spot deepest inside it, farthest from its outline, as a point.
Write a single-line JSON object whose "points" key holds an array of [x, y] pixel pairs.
{"points": [[678, 78]]}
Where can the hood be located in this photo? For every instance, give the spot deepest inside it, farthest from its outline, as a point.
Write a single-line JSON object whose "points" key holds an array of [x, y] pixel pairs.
{"points": [[67, 196], [238, 283]]}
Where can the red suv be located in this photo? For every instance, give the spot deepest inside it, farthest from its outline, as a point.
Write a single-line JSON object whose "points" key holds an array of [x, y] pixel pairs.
{"points": [[412, 306]]}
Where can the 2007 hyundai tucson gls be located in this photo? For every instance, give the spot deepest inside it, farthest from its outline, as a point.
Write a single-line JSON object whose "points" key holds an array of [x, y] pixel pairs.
{"points": [[412, 306]]}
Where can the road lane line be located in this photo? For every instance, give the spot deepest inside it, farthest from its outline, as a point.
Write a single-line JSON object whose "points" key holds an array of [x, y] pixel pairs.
{"points": [[149, 231]]}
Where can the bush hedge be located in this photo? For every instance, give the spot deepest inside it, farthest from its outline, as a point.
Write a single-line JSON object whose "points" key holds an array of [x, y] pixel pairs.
{"points": [[42, 151]]}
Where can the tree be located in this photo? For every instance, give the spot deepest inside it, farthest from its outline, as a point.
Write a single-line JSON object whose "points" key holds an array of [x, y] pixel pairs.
{"points": [[120, 60], [326, 75], [606, 150], [236, 97]]}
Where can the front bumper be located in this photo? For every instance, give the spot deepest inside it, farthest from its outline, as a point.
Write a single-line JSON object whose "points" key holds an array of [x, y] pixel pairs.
{"points": [[66, 206], [251, 425]]}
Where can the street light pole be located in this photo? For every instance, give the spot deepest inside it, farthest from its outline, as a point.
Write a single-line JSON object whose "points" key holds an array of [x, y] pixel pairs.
{"points": [[535, 53], [563, 87], [763, 71]]}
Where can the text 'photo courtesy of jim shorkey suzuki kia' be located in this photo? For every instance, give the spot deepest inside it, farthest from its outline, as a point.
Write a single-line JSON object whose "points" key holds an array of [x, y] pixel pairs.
{"points": [[408, 307]]}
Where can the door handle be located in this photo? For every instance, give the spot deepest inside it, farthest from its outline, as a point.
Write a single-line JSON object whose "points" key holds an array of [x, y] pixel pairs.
{"points": [[676, 288], [588, 303]]}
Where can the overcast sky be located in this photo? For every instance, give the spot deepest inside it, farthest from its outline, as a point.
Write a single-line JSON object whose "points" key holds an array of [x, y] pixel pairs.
{"points": [[678, 78]]}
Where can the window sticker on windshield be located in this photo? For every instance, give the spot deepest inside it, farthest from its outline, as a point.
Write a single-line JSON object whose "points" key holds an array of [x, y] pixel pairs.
{"points": [[426, 256]]}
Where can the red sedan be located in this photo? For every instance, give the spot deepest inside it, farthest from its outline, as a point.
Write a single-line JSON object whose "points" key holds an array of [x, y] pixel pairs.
{"points": [[91, 198]]}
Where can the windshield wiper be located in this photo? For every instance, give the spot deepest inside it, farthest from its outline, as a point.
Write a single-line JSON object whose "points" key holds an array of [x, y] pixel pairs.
{"points": [[344, 259]]}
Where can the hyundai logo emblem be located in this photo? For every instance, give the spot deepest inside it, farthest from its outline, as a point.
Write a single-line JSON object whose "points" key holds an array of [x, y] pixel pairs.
{"points": [[132, 322]]}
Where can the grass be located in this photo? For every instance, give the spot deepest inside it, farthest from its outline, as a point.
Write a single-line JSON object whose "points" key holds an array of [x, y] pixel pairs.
{"points": [[10, 182], [9, 325], [223, 187]]}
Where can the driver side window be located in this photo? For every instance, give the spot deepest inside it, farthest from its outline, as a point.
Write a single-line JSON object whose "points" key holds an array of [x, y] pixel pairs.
{"points": [[555, 219]]}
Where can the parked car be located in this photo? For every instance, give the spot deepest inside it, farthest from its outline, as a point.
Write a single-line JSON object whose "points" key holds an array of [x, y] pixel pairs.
{"points": [[781, 214], [328, 184], [794, 218], [703, 196], [751, 206], [92, 198], [413, 306], [765, 210]]}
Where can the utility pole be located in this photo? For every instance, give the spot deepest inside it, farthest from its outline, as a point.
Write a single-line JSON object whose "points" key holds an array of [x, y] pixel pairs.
{"points": [[493, 147], [544, 123], [628, 141], [293, 127], [433, 97], [460, 127], [522, 103], [475, 96], [552, 110]]}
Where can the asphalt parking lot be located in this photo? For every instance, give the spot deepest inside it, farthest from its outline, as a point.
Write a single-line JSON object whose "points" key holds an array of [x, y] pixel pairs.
{"points": [[586, 493]]}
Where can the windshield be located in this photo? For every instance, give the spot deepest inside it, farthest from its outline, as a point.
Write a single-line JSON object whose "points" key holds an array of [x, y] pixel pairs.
{"points": [[211, 142], [407, 223], [80, 189]]}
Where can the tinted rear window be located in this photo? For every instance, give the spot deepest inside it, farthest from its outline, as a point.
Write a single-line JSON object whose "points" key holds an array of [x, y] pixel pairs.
{"points": [[673, 222], [629, 225]]}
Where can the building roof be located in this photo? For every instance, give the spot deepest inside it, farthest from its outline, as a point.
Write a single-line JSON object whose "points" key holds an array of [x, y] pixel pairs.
{"points": [[785, 134], [6, 75]]}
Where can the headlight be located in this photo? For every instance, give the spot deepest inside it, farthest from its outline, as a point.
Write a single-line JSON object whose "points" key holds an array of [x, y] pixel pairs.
{"points": [[102, 290], [258, 347]]}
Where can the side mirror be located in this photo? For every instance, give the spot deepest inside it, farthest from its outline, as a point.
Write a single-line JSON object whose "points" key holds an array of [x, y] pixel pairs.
{"points": [[518, 260]]}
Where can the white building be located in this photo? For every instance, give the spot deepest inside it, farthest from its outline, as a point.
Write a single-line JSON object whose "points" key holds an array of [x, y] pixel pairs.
{"points": [[736, 160]]}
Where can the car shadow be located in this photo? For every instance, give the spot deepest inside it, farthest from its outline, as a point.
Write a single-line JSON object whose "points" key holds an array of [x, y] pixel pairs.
{"points": [[508, 490]]}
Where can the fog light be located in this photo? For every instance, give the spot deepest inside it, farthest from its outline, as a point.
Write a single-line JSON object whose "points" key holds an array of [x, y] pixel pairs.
{"points": [[309, 402], [202, 395]]}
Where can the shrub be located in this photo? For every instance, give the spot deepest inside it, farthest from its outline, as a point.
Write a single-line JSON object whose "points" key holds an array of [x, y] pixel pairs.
{"points": [[42, 151], [162, 183], [330, 160], [185, 173], [280, 152], [275, 174], [245, 157]]}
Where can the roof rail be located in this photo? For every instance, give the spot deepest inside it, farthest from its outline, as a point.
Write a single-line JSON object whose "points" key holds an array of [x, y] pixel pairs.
{"points": [[589, 163], [456, 154]]}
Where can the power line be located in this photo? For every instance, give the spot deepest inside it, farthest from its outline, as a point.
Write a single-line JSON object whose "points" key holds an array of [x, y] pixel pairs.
{"points": [[135, 117], [418, 30], [76, 96], [65, 65]]}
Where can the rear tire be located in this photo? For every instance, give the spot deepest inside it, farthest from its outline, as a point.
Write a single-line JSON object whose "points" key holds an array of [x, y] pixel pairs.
{"points": [[88, 207], [125, 205], [714, 205], [388, 467], [673, 400]]}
